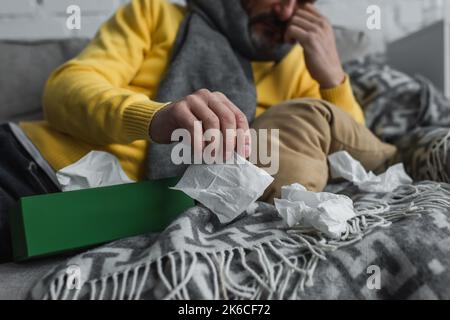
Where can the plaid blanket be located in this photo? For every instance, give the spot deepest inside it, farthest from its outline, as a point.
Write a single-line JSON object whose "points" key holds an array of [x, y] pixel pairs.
{"points": [[406, 111], [403, 235]]}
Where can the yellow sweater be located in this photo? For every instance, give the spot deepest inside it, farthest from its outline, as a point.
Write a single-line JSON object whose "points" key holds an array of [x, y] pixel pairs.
{"points": [[102, 99]]}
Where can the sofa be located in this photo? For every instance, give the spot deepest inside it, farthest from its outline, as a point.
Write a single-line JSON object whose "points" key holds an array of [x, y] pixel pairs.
{"points": [[24, 69]]}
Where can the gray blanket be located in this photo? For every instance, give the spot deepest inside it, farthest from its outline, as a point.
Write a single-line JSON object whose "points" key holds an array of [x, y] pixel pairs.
{"points": [[404, 235], [256, 257]]}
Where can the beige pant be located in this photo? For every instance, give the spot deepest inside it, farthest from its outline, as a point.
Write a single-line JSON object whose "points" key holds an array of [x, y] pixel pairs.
{"points": [[310, 130]]}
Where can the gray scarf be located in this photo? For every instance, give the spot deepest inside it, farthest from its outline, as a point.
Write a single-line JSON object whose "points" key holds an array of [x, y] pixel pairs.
{"points": [[213, 50]]}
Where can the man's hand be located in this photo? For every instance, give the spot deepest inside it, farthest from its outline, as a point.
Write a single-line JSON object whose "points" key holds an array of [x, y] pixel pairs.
{"points": [[315, 34], [214, 110]]}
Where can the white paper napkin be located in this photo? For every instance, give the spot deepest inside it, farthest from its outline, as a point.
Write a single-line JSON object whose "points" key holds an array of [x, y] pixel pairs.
{"points": [[323, 211], [342, 165], [96, 169], [225, 189]]}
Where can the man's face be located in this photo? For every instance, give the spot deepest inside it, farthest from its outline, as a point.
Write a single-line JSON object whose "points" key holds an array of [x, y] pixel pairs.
{"points": [[269, 20]]}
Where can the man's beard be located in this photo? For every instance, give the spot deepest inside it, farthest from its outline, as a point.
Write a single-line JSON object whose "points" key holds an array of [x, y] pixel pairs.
{"points": [[267, 32]]}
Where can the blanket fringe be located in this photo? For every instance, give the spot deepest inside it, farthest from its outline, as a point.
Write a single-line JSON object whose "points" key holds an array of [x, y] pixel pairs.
{"points": [[278, 269], [437, 157]]}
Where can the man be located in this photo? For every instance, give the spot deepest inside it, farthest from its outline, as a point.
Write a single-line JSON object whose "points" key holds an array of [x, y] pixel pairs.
{"points": [[234, 64]]}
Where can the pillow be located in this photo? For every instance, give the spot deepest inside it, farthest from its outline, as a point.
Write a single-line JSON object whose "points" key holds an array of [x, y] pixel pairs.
{"points": [[25, 68], [356, 44]]}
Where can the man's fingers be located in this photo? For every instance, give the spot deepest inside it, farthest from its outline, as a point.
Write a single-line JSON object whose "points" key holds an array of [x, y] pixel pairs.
{"points": [[310, 7], [227, 124], [243, 142], [210, 121], [301, 35], [226, 118], [305, 24], [203, 111], [241, 119], [302, 15]]}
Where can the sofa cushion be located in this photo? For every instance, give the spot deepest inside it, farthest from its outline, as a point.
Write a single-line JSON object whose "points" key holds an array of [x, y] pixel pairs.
{"points": [[17, 279], [25, 67], [355, 44]]}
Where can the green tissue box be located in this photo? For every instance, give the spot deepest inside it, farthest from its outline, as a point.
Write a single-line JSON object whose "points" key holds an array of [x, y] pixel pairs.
{"points": [[60, 222]]}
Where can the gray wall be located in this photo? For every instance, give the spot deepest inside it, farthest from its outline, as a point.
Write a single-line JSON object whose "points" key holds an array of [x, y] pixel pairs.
{"points": [[37, 19], [399, 17]]}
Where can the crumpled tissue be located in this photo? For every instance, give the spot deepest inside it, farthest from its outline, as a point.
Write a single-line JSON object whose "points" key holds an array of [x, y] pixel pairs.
{"points": [[326, 212], [96, 169], [226, 189], [342, 165]]}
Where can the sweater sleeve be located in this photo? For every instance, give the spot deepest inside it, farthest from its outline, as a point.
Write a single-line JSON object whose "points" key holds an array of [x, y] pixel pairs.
{"points": [[88, 97], [341, 96]]}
